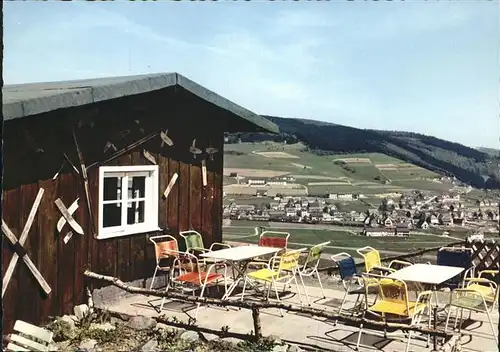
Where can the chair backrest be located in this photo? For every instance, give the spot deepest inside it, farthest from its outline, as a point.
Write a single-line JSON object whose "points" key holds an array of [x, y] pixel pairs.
{"points": [[346, 265], [393, 290], [187, 262], [274, 239], [193, 239], [467, 299], [165, 246], [371, 257], [460, 257], [218, 246], [289, 260], [33, 338], [314, 255]]}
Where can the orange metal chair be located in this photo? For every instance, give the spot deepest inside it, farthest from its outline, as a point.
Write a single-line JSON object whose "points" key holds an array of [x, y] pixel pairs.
{"points": [[166, 251]]}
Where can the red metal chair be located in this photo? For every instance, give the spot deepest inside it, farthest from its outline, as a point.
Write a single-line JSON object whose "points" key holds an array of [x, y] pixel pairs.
{"points": [[191, 276], [274, 239]]}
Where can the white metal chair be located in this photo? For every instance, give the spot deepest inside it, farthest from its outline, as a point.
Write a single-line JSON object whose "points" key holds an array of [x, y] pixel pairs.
{"points": [[310, 267], [471, 300], [27, 337]]}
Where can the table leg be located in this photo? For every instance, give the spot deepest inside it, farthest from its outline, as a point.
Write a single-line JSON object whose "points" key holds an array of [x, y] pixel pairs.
{"points": [[240, 270]]}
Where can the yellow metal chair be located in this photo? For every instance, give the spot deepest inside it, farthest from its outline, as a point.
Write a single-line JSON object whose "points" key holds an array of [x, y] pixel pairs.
{"points": [[393, 303], [280, 270], [373, 262], [488, 288], [471, 300]]}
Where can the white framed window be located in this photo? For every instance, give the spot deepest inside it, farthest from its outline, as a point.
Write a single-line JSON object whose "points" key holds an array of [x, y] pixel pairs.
{"points": [[128, 200]]}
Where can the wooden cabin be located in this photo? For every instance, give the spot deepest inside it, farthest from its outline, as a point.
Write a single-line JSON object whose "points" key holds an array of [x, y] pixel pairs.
{"points": [[104, 151]]}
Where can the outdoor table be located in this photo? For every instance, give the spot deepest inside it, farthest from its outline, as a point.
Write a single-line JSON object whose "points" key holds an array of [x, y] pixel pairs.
{"points": [[430, 275], [239, 258]]}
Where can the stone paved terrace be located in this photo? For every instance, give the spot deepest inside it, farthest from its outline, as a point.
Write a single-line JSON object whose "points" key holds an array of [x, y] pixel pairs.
{"points": [[314, 333]]}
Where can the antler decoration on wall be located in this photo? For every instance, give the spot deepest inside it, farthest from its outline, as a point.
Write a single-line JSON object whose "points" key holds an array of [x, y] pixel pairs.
{"points": [[110, 146], [211, 152], [195, 151]]}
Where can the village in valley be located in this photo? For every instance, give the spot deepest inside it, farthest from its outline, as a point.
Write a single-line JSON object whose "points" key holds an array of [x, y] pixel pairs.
{"points": [[370, 208]]}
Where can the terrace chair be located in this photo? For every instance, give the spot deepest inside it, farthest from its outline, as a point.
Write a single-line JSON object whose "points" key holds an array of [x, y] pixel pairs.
{"points": [[194, 244], [460, 257], [487, 287], [373, 263], [393, 301], [166, 249], [310, 267], [275, 239], [353, 283], [191, 278], [471, 300], [27, 337], [279, 270]]}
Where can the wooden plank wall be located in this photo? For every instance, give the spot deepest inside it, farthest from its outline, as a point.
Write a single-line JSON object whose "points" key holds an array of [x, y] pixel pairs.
{"points": [[189, 206]]}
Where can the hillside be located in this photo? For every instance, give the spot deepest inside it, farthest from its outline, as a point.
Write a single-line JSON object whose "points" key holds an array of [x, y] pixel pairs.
{"points": [[469, 165]]}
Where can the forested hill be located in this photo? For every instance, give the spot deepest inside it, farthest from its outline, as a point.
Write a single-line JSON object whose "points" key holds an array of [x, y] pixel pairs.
{"points": [[469, 165]]}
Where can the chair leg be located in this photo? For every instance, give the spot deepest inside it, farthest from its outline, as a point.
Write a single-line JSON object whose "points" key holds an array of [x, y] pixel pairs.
{"points": [[429, 325], [163, 299], [491, 324], [320, 284], [298, 289], [409, 341], [305, 289], [447, 319], [244, 287], [199, 304], [342, 307], [359, 338], [277, 296], [153, 279]]}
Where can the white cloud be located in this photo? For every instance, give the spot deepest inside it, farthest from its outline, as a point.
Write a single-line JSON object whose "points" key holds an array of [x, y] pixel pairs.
{"points": [[303, 18]]}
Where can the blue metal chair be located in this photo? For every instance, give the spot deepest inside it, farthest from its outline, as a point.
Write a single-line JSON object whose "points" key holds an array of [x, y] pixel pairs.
{"points": [[351, 280]]}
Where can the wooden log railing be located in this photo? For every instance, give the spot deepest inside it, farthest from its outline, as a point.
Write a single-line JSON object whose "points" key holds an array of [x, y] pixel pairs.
{"points": [[256, 306]]}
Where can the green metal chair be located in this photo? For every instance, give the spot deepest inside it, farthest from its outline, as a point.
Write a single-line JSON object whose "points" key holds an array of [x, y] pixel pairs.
{"points": [[310, 267]]}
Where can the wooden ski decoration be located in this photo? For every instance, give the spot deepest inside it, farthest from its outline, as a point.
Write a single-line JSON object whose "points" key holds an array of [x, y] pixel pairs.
{"points": [[21, 252], [65, 213], [22, 240], [148, 156], [71, 210], [165, 139], [67, 237], [204, 171], [170, 185]]}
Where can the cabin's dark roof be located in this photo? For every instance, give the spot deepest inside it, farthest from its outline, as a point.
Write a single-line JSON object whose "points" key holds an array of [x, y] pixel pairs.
{"points": [[20, 100]]}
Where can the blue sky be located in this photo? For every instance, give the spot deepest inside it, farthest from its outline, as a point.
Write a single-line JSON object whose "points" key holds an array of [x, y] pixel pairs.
{"points": [[429, 67]]}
